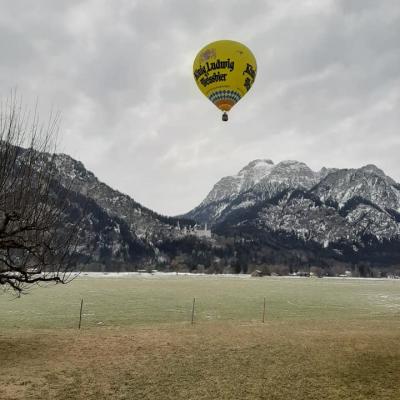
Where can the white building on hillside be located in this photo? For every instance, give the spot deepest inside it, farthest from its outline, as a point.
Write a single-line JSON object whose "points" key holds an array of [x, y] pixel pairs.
{"points": [[196, 230], [206, 233]]}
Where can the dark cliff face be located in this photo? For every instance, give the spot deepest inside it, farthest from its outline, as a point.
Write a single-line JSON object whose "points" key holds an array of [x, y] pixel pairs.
{"points": [[103, 239], [116, 231], [143, 221]]}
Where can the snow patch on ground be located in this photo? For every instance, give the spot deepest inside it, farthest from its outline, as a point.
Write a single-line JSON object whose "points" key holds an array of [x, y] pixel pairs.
{"points": [[159, 275], [166, 275]]}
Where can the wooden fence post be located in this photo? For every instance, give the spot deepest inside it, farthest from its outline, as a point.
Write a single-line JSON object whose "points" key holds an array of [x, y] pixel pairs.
{"points": [[194, 301], [263, 319], [80, 315]]}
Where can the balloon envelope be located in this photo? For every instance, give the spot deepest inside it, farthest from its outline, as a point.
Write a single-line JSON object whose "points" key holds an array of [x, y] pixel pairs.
{"points": [[224, 71]]}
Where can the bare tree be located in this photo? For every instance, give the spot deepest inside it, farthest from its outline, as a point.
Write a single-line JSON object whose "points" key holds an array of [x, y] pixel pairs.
{"points": [[36, 245]]}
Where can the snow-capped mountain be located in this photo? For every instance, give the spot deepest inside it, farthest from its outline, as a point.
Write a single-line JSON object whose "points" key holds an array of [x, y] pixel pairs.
{"points": [[267, 214], [260, 179], [368, 182], [230, 186], [345, 212]]}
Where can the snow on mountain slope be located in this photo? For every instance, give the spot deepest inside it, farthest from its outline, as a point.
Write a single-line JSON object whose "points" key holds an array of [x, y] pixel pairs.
{"points": [[230, 186], [345, 211], [259, 180], [141, 220], [368, 182], [352, 214]]}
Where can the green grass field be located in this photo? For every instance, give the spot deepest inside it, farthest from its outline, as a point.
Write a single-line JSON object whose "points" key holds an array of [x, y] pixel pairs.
{"points": [[322, 339]]}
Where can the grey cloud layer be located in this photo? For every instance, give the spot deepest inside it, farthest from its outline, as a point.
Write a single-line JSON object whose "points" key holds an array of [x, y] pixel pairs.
{"points": [[327, 90]]}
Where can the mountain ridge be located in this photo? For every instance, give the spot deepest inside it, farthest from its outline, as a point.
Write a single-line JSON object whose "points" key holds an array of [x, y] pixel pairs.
{"points": [[284, 215], [290, 174]]}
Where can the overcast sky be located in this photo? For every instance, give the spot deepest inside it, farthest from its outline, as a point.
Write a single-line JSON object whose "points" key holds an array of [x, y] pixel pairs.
{"points": [[327, 90]]}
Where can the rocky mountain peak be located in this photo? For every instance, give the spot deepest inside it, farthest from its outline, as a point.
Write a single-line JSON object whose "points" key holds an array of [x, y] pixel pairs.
{"points": [[253, 173], [323, 172], [261, 181], [230, 186], [260, 176], [287, 174], [292, 169], [256, 164], [368, 182], [373, 169]]}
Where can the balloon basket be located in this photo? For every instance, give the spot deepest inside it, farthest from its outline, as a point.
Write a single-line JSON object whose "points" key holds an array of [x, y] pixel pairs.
{"points": [[224, 116]]}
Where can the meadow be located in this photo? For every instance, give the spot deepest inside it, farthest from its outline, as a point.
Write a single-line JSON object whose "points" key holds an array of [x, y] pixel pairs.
{"points": [[321, 339]]}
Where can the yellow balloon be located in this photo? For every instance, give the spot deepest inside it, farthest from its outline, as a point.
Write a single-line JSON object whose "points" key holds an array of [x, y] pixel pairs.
{"points": [[224, 71]]}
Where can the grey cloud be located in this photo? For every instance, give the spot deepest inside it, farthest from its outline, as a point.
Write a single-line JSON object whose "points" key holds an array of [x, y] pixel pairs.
{"points": [[326, 91]]}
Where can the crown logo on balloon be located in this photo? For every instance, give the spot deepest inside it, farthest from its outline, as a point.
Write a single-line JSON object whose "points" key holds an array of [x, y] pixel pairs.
{"points": [[209, 53]]}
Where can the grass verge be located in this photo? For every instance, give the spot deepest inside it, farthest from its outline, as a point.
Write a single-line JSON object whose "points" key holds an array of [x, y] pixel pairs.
{"points": [[212, 360]]}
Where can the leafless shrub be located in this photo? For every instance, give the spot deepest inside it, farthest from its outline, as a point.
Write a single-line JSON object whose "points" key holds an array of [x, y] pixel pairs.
{"points": [[35, 245]]}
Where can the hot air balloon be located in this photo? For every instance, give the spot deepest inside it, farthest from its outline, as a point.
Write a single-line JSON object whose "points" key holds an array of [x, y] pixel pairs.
{"points": [[224, 71]]}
